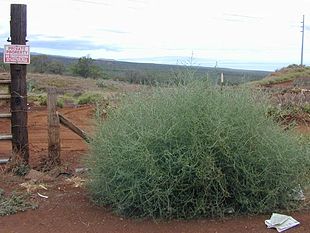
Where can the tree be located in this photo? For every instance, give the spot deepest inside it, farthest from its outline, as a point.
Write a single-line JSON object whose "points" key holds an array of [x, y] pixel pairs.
{"points": [[44, 64], [86, 68], [83, 66], [39, 64], [56, 67]]}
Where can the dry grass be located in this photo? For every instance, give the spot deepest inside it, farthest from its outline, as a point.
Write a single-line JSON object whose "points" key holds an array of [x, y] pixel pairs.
{"points": [[76, 181], [64, 84], [76, 85], [291, 73], [32, 187]]}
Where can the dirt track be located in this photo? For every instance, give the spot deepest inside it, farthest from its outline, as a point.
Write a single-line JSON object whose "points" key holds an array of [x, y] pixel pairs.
{"points": [[72, 146], [69, 210]]}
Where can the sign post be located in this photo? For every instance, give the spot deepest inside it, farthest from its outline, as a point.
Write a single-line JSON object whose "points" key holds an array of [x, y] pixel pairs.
{"points": [[18, 55]]}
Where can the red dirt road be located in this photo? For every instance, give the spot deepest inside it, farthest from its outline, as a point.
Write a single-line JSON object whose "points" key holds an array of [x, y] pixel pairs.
{"points": [[68, 209], [72, 146]]}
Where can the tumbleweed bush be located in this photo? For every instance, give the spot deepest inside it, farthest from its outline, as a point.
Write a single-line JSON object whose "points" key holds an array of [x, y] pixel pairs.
{"points": [[193, 151]]}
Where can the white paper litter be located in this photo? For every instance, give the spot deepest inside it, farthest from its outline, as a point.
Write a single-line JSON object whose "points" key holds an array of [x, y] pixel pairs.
{"points": [[40, 195], [281, 222]]}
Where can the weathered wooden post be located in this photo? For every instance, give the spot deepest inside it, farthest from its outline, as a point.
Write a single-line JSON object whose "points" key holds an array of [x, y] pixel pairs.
{"points": [[53, 130], [222, 80], [18, 27]]}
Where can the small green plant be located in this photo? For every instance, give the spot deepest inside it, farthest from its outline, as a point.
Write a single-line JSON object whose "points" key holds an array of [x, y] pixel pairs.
{"points": [[283, 115], [101, 83], [306, 108], [14, 203], [66, 99], [4, 67], [193, 151], [40, 99], [89, 98], [60, 102], [21, 170], [31, 86]]}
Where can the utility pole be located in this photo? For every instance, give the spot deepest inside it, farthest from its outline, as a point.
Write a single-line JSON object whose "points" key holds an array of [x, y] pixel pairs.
{"points": [[18, 27], [302, 40]]}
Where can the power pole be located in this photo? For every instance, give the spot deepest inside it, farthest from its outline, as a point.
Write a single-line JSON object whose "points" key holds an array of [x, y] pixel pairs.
{"points": [[18, 27], [302, 40]]}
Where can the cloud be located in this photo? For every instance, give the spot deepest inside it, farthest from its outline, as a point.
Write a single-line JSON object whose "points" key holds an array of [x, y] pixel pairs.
{"points": [[93, 2], [113, 31], [243, 16], [240, 18], [4, 36], [68, 44], [45, 37]]}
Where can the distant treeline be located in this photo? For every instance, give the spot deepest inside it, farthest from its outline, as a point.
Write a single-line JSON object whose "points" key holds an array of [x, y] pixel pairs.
{"points": [[140, 73]]}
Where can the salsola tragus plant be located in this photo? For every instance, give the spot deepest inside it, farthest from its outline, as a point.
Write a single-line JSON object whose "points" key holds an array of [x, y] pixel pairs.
{"points": [[192, 151]]}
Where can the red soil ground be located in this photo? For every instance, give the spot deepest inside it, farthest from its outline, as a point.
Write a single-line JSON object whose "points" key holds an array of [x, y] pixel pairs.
{"points": [[68, 209], [72, 146]]}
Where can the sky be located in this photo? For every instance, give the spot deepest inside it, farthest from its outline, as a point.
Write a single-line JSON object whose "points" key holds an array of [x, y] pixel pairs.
{"points": [[248, 34]]}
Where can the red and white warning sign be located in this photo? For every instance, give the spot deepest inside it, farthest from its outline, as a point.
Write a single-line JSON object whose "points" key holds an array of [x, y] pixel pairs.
{"points": [[16, 54]]}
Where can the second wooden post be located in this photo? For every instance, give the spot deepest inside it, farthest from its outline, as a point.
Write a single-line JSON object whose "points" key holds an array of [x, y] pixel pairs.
{"points": [[53, 130]]}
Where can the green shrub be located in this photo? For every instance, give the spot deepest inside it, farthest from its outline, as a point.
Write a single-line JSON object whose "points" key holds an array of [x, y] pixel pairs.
{"points": [[14, 203], [60, 102], [55, 67], [40, 99], [4, 67], [31, 85], [194, 151], [101, 83], [89, 98], [306, 108], [67, 98]]}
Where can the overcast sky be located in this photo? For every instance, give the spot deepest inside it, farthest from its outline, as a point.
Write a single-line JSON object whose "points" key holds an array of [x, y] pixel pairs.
{"points": [[261, 34]]}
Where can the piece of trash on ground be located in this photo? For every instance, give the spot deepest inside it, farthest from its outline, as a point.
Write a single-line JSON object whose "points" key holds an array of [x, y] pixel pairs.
{"points": [[42, 186], [76, 181], [31, 186], [40, 195], [281, 222]]}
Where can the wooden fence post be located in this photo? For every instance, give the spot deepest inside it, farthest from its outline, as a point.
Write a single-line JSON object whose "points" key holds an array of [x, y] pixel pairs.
{"points": [[18, 27], [53, 130]]}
